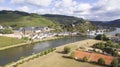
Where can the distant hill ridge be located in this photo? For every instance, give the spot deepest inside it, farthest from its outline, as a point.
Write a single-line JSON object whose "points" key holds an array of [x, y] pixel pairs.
{"points": [[70, 23], [115, 23], [14, 12], [18, 19], [62, 19]]}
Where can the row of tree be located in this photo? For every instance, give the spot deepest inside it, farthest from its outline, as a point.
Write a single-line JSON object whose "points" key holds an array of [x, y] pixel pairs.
{"points": [[6, 31], [107, 47], [114, 62]]}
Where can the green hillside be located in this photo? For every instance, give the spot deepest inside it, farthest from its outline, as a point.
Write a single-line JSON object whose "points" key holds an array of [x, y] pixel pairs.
{"points": [[59, 22], [18, 19]]}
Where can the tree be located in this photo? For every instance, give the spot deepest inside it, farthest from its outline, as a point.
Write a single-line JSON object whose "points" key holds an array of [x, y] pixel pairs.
{"points": [[67, 49], [117, 34], [85, 59], [114, 53], [6, 31], [108, 49], [109, 42], [101, 61], [73, 55], [102, 37], [114, 63], [99, 45], [46, 52], [25, 38]]}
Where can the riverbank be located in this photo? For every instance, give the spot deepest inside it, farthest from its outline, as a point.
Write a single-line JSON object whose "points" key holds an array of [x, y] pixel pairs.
{"points": [[8, 41], [30, 42], [56, 59]]}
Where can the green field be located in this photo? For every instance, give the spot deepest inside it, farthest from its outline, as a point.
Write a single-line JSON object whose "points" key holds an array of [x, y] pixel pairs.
{"points": [[18, 20], [7, 41]]}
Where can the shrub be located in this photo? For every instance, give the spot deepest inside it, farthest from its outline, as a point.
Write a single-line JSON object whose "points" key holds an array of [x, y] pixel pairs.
{"points": [[49, 50], [25, 38], [102, 37], [114, 53], [42, 53], [6, 31], [117, 34], [46, 52], [99, 45], [109, 42], [108, 49], [52, 49], [67, 49], [101, 61], [85, 59], [72, 55], [114, 63]]}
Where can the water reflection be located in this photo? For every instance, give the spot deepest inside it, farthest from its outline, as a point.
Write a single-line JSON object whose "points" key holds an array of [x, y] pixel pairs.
{"points": [[14, 54], [114, 32]]}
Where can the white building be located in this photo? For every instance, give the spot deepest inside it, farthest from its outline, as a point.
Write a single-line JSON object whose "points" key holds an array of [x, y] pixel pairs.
{"points": [[95, 32], [1, 27]]}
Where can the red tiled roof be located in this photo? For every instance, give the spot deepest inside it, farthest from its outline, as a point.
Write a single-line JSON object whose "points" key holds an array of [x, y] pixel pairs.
{"points": [[93, 56]]}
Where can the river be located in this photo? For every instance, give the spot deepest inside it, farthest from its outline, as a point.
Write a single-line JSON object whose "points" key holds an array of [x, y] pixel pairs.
{"points": [[14, 54], [112, 33]]}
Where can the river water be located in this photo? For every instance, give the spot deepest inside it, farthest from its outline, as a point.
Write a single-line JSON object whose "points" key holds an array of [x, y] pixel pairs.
{"points": [[112, 33], [14, 54]]}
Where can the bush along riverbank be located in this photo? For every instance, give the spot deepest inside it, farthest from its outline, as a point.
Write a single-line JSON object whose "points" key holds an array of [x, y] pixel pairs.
{"points": [[26, 59]]}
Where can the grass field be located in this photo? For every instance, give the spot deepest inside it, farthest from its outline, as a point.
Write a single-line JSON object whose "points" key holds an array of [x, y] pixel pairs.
{"points": [[7, 41]]}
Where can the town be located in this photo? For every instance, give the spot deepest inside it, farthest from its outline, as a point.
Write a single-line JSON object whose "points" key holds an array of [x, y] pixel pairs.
{"points": [[40, 33], [59, 33]]}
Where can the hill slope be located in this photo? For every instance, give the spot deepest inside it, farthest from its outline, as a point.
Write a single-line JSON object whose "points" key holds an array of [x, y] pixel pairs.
{"points": [[115, 23], [70, 23], [62, 19], [18, 19]]}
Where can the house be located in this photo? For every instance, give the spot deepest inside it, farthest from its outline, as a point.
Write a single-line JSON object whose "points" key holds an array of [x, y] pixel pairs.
{"points": [[38, 29], [47, 29], [91, 33], [64, 34], [27, 30], [1, 27], [95, 32], [93, 57]]}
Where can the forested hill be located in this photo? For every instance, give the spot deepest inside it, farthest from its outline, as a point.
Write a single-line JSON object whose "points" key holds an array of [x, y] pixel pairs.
{"points": [[70, 23], [62, 19], [115, 23]]}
